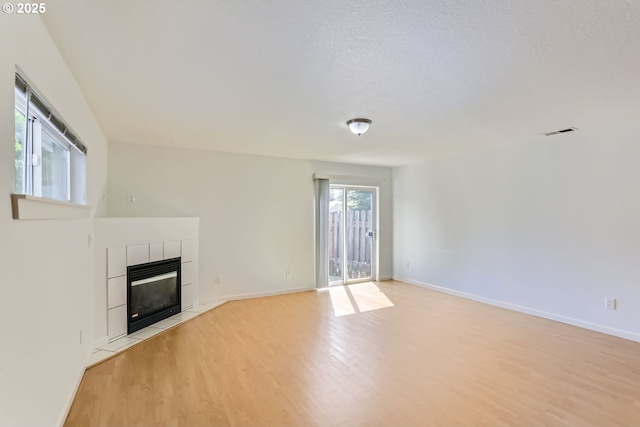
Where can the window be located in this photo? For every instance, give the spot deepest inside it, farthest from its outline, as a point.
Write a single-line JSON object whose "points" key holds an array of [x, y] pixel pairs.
{"points": [[50, 160]]}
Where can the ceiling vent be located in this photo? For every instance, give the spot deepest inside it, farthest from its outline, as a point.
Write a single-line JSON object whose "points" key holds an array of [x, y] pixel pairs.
{"points": [[561, 131]]}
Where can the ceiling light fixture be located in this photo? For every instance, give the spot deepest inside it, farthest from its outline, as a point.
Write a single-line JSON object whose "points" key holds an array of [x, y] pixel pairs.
{"points": [[561, 131], [359, 126]]}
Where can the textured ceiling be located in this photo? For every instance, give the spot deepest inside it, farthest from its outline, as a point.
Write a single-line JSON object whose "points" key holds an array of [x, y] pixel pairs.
{"points": [[281, 77]]}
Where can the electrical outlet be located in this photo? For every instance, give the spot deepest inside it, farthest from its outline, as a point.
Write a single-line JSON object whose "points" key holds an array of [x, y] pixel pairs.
{"points": [[217, 280], [132, 198], [610, 303]]}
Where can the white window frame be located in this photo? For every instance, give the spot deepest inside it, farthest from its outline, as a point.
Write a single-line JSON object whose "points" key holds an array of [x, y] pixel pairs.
{"points": [[40, 126], [38, 123]]}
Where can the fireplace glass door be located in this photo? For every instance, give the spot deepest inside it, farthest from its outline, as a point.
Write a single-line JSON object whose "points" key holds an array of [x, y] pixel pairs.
{"points": [[153, 292], [149, 296]]}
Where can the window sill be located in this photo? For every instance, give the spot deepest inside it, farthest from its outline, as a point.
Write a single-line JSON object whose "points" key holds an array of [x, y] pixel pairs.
{"points": [[31, 207]]}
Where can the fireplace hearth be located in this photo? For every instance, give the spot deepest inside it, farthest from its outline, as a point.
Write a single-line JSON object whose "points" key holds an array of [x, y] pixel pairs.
{"points": [[153, 292]]}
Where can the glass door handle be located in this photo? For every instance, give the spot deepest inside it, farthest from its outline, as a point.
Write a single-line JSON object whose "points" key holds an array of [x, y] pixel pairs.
{"points": [[371, 234]]}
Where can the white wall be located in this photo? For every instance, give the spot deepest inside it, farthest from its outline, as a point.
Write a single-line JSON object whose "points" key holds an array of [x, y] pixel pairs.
{"points": [[552, 226], [256, 213], [46, 267]]}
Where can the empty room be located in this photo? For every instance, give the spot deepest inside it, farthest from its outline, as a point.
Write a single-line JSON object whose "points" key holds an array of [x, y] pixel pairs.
{"points": [[320, 213]]}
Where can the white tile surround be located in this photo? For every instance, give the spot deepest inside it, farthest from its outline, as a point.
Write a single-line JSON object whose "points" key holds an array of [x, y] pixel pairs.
{"points": [[120, 344], [119, 258]]}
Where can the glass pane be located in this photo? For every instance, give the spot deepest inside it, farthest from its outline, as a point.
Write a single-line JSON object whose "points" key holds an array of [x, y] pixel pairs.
{"points": [[359, 230], [336, 261], [20, 149], [149, 296], [55, 168]]}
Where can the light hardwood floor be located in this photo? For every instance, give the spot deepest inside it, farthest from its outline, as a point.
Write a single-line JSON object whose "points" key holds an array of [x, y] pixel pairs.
{"points": [[430, 359]]}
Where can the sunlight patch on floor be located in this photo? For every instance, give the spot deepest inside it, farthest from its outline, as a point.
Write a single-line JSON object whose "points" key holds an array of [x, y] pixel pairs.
{"points": [[342, 305], [357, 298]]}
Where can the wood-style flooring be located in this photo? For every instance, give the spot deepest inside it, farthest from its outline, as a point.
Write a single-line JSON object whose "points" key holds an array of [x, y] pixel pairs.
{"points": [[387, 354]]}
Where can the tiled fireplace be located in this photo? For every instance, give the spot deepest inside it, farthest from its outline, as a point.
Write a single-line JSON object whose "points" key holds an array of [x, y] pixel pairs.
{"points": [[120, 259]]}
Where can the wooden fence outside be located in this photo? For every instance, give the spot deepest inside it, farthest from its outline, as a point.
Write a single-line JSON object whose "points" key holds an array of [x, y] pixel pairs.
{"points": [[358, 226]]}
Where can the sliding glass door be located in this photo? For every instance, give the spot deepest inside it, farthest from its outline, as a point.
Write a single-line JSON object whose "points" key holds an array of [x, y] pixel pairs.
{"points": [[351, 234]]}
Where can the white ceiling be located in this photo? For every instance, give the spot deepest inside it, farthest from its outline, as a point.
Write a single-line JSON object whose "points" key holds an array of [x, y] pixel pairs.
{"points": [[281, 77]]}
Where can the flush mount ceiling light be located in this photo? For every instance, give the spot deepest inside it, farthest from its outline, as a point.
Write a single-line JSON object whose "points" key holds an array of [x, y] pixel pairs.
{"points": [[359, 126]]}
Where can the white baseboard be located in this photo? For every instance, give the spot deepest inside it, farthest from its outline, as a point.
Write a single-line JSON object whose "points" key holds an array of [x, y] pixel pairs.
{"points": [[268, 293], [212, 302], [74, 390], [534, 312], [97, 343], [221, 300]]}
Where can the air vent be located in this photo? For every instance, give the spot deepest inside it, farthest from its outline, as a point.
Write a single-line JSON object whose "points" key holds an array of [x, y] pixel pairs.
{"points": [[561, 131]]}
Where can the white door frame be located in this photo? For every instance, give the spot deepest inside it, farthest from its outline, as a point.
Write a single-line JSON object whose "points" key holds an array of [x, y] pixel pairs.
{"points": [[375, 238]]}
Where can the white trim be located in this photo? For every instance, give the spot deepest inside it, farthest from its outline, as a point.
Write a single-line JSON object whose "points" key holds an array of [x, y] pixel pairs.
{"points": [[527, 310], [32, 207], [269, 293], [210, 302], [72, 395], [375, 243], [171, 275], [215, 302]]}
